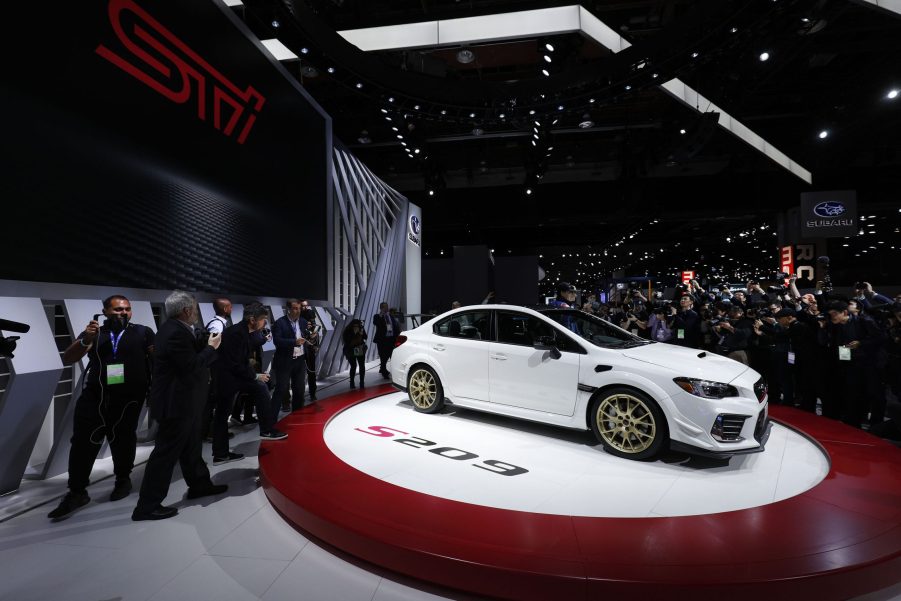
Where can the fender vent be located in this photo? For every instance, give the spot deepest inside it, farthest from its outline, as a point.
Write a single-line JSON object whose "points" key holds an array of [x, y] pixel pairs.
{"points": [[600, 368]]}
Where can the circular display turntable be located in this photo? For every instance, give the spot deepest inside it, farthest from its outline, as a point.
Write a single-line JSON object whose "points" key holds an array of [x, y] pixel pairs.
{"points": [[579, 524]]}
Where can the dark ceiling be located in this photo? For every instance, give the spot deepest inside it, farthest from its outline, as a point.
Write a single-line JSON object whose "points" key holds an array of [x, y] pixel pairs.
{"points": [[604, 152]]}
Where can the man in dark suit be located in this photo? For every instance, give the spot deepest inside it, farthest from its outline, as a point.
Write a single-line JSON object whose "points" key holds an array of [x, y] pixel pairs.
{"points": [[289, 364], [386, 331], [233, 375], [177, 395]]}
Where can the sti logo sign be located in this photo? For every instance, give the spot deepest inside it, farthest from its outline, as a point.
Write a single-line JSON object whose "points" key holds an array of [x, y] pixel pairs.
{"points": [[829, 214]]}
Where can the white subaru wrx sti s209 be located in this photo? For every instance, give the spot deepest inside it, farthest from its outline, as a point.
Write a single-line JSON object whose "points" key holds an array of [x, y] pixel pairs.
{"points": [[572, 369]]}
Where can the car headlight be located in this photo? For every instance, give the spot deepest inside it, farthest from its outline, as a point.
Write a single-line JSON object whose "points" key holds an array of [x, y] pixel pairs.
{"points": [[706, 389]]}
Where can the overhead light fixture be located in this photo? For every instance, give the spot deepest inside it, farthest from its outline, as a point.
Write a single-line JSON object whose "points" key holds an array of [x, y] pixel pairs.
{"points": [[432, 193], [682, 131], [359, 86], [764, 56], [538, 124], [694, 55], [547, 59], [390, 98], [534, 143], [823, 134], [655, 75], [385, 111], [532, 112], [443, 111], [892, 94], [628, 87], [560, 107], [276, 24], [734, 30], [550, 48], [416, 150], [304, 50], [472, 115], [502, 116], [395, 129], [528, 191], [591, 100], [400, 137], [545, 72], [465, 56], [555, 121]]}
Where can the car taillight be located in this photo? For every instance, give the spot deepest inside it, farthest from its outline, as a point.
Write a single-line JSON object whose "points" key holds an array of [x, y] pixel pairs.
{"points": [[399, 341]]}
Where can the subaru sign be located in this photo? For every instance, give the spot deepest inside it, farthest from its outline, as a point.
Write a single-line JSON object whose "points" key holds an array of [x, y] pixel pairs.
{"points": [[829, 214], [415, 230]]}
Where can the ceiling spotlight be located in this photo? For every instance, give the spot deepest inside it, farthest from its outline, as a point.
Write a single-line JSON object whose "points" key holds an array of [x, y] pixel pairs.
{"points": [[532, 112], [694, 55], [547, 59], [892, 94], [682, 131], [528, 191], [416, 151], [805, 20], [549, 47], [415, 107], [395, 129], [276, 24], [550, 148], [823, 134], [404, 144], [764, 56], [534, 143], [538, 124], [391, 99], [545, 72], [560, 107], [331, 69], [734, 30], [591, 100], [432, 193], [443, 111], [465, 56], [555, 121], [502, 116], [385, 111], [655, 75], [400, 137], [628, 87], [359, 86], [304, 50]]}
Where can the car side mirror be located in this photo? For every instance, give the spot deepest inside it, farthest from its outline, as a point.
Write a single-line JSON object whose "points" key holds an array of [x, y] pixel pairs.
{"points": [[547, 343]]}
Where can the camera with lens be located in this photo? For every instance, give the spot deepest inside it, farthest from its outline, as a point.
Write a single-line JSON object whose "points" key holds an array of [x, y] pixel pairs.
{"points": [[264, 332], [8, 343]]}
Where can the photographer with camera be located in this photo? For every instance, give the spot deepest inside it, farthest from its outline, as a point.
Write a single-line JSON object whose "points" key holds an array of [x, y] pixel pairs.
{"points": [[687, 324], [290, 365], [116, 383], [867, 297], [855, 347], [313, 337], [235, 375], [734, 334], [660, 323]]}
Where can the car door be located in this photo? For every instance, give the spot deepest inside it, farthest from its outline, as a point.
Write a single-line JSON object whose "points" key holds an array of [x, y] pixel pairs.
{"points": [[459, 344], [523, 376]]}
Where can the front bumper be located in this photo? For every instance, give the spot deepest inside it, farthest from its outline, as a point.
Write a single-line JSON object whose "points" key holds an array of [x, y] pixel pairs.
{"points": [[761, 435]]}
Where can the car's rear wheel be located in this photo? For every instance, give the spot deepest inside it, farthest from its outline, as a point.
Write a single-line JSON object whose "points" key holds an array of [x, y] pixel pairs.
{"points": [[629, 423], [425, 390]]}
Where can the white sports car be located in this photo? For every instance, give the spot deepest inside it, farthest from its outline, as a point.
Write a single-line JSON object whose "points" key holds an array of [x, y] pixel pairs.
{"points": [[572, 369]]}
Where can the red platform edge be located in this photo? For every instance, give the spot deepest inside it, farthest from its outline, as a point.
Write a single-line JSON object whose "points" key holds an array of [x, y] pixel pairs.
{"points": [[838, 540]]}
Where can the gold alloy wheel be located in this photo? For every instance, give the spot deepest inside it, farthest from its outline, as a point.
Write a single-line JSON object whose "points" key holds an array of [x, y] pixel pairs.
{"points": [[423, 389], [626, 423]]}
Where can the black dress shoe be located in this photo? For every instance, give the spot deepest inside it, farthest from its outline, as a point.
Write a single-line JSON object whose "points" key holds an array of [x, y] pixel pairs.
{"points": [[121, 490], [207, 491], [160, 513], [71, 503]]}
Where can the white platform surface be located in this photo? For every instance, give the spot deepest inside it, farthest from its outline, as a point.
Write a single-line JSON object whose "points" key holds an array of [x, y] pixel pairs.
{"points": [[569, 473]]}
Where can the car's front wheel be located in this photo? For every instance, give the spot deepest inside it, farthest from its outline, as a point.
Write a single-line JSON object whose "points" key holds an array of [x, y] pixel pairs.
{"points": [[425, 390], [629, 423]]}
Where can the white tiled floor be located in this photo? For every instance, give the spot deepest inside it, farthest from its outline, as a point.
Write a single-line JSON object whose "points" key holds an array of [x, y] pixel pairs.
{"points": [[232, 547]]}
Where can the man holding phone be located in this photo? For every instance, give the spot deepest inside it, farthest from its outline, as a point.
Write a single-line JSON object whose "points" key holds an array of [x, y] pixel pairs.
{"points": [[116, 381]]}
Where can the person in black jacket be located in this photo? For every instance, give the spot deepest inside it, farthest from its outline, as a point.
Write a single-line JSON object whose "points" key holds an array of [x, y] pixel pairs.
{"points": [[687, 324], [855, 347], [234, 375], [177, 395], [386, 330], [355, 349], [116, 383], [289, 364]]}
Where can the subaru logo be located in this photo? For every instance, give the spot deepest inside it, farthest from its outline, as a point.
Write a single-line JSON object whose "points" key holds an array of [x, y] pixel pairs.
{"points": [[829, 209], [415, 224]]}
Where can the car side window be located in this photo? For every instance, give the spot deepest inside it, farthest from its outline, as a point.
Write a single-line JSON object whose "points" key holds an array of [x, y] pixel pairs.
{"points": [[525, 330], [474, 325]]}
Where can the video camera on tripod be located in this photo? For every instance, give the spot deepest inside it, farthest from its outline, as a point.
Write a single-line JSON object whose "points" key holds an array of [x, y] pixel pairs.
{"points": [[8, 343]]}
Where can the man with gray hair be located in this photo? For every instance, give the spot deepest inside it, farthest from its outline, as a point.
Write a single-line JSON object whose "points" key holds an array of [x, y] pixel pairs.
{"points": [[177, 394]]}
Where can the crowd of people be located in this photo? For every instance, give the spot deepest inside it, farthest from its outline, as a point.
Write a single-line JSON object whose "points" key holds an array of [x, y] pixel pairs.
{"points": [[821, 352]]}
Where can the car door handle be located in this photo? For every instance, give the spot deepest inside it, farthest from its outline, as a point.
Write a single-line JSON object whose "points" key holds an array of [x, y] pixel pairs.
{"points": [[438, 347], [499, 357]]}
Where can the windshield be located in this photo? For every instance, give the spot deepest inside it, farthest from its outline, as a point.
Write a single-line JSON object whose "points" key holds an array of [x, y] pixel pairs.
{"points": [[594, 329]]}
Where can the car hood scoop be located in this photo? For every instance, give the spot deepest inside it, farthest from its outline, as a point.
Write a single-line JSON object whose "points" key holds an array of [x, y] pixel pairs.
{"points": [[686, 362]]}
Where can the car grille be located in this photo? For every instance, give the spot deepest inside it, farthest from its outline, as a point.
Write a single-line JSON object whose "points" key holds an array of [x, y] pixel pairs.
{"points": [[727, 427], [760, 426], [760, 389]]}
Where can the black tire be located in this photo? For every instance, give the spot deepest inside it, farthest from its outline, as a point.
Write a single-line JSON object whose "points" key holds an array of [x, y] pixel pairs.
{"points": [[425, 390], [629, 423]]}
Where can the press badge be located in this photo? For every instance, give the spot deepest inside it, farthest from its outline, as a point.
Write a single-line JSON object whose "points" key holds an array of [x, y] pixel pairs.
{"points": [[115, 374], [680, 334], [791, 358], [298, 351], [844, 353]]}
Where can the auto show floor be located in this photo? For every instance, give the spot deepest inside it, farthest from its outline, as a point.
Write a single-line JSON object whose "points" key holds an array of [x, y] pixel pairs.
{"points": [[233, 547]]}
